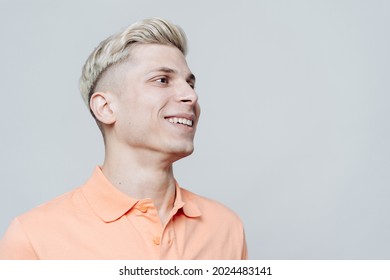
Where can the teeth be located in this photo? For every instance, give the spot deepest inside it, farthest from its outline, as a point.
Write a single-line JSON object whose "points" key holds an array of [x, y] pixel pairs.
{"points": [[181, 121]]}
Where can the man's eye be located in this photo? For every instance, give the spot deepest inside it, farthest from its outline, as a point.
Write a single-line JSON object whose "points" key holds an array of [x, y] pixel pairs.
{"points": [[162, 80]]}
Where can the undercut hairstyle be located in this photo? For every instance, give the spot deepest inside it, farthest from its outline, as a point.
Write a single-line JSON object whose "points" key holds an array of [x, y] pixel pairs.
{"points": [[116, 49]]}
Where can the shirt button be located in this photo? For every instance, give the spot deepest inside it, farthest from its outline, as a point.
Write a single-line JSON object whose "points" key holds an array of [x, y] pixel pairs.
{"points": [[156, 240], [143, 209]]}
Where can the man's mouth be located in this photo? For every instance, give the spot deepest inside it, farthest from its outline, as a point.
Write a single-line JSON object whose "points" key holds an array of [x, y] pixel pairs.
{"points": [[183, 121]]}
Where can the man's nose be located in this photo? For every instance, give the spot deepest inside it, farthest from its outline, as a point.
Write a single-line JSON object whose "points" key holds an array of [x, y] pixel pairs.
{"points": [[187, 94]]}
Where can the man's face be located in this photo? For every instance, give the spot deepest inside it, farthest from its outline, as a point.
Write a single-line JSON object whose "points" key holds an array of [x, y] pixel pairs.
{"points": [[157, 108]]}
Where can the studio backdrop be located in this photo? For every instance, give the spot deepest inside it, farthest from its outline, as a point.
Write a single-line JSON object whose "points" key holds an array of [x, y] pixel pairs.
{"points": [[295, 126]]}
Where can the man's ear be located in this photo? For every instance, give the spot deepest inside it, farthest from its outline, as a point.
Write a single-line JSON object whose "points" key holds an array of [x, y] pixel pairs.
{"points": [[102, 107]]}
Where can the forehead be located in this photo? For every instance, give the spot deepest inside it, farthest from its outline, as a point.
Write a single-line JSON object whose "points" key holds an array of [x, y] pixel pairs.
{"points": [[146, 57]]}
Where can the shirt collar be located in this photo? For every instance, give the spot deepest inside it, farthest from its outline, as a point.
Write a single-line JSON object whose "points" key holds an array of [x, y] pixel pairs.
{"points": [[107, 201], [110, 204], [184, 200]]}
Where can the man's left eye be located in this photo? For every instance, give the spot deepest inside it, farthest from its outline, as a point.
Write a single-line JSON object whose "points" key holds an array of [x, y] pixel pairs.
{"points": [[162, 80]]}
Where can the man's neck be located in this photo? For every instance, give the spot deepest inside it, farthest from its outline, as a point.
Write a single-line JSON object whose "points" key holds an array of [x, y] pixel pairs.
{"points": [[142, 176]]}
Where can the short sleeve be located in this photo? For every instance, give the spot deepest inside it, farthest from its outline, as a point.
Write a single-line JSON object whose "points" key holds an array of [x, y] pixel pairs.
{"points": [[15, 244]]}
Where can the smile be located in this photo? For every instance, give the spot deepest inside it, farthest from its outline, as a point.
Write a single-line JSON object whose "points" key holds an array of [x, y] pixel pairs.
{"points": [[181, 121]]}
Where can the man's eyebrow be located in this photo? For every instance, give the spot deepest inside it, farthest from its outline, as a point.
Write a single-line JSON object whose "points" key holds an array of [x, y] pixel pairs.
{"points": [[163, 69], [191, 76]]}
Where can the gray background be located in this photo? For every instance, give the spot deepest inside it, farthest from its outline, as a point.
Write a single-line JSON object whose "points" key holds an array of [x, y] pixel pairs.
{"points": [[294, 132]]}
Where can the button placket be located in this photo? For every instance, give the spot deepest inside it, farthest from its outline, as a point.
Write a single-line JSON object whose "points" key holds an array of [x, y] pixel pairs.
{"points": [[168, 235]]}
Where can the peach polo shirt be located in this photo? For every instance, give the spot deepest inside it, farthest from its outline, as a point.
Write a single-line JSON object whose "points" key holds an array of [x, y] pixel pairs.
{"points": [[97, 221]]}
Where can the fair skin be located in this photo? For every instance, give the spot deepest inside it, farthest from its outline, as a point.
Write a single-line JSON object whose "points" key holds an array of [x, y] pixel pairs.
{"points": [[152, 93]]}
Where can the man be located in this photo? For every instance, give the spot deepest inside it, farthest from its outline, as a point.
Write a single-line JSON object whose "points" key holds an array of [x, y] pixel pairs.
{"points": [[141, 93]]}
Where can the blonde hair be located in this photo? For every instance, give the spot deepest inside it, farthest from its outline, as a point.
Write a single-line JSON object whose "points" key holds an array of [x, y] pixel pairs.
{"points": [[116, 49]]}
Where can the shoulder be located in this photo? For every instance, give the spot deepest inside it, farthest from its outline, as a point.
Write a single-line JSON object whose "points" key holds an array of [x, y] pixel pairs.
{"points": [[57, 208], [19, 241], [54, 216]]}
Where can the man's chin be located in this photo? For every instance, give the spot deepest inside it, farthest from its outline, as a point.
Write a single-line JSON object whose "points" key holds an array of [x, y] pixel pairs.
{"points": [[179, 154]]}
